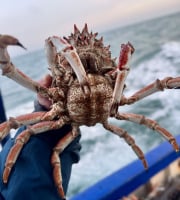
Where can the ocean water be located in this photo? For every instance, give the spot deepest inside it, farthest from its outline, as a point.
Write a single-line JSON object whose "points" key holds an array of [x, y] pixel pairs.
{"points": [[157, 55]]}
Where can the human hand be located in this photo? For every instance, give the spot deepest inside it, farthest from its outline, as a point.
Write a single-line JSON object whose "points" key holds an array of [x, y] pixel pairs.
{"points": [[45, 81]]}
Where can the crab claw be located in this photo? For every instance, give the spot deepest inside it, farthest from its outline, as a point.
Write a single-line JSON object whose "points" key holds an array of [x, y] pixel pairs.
{"points": [[122, 71], [19, 44], [70, 53], [6, 40], [126, 52]]}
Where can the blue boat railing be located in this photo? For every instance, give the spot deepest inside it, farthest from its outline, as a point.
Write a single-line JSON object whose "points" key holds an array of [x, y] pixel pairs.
{"points": [[124, 181]]}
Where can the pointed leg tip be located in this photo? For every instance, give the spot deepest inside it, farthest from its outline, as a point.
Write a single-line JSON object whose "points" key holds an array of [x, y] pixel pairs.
{"points": [[5, 181], [145, 164], [63, 197], [177, 150], [175, 145], [6, 172], [61, 192], [6, 176], [19, 44]]}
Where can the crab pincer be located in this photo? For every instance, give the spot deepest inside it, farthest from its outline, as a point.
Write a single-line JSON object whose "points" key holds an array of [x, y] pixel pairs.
{"points": [[5, 41], [122, 72], [71, 55]]}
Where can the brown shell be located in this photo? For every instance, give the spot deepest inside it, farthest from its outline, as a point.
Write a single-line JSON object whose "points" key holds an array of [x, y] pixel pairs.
{"points": [[89, 110], [96, 58]]}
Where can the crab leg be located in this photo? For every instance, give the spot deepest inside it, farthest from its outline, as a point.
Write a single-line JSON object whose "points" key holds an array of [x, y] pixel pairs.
{"points": [[6, 40], [55, 160], [15, 74], [9, 70], [158, 85], [23, 138], [122, 72], [129, 140], [70, 53], [14, 123], [141, 119]]}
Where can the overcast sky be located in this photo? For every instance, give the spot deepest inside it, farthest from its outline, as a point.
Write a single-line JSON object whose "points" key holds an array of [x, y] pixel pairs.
{"points": [[32, 21]]}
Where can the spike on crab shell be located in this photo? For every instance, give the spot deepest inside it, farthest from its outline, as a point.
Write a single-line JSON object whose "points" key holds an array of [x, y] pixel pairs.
{"points": [[101, 39], [76, 30], [106, 49], [95, 34], [85, 36], [99, 42], [85, 29]]}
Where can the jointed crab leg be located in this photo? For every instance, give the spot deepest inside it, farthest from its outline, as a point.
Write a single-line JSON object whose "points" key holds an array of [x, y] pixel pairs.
{"points": [[158, 85], [129, 140], [70, 53], [55, 161], [122, 72], [15, 74], [9, 70], [23, 138], [140, 119], [14, 123]]}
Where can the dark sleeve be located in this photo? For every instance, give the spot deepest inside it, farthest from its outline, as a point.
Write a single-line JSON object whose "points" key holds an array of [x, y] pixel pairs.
{"points": [[31, 176]]}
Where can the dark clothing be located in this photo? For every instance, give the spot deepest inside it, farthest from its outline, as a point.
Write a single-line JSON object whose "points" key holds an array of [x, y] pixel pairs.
{"points": [[31, 177], [2, 117]]}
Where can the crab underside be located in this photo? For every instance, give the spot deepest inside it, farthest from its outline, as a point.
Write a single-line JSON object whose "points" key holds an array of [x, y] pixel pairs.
{"points": [[87, 88]]}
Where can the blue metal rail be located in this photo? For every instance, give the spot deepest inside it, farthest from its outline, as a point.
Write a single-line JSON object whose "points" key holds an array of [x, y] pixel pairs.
{"points": [[126, 180]]}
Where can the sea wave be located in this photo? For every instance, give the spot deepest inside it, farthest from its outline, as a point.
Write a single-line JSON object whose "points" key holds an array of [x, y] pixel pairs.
{"points": [[171, 51]]}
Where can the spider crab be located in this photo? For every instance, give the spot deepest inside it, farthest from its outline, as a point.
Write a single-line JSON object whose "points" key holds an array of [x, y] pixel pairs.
{"points": [[87, 88]]}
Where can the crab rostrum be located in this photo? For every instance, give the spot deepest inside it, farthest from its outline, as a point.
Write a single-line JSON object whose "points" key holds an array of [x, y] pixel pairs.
{"points": [[87, 88]]}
